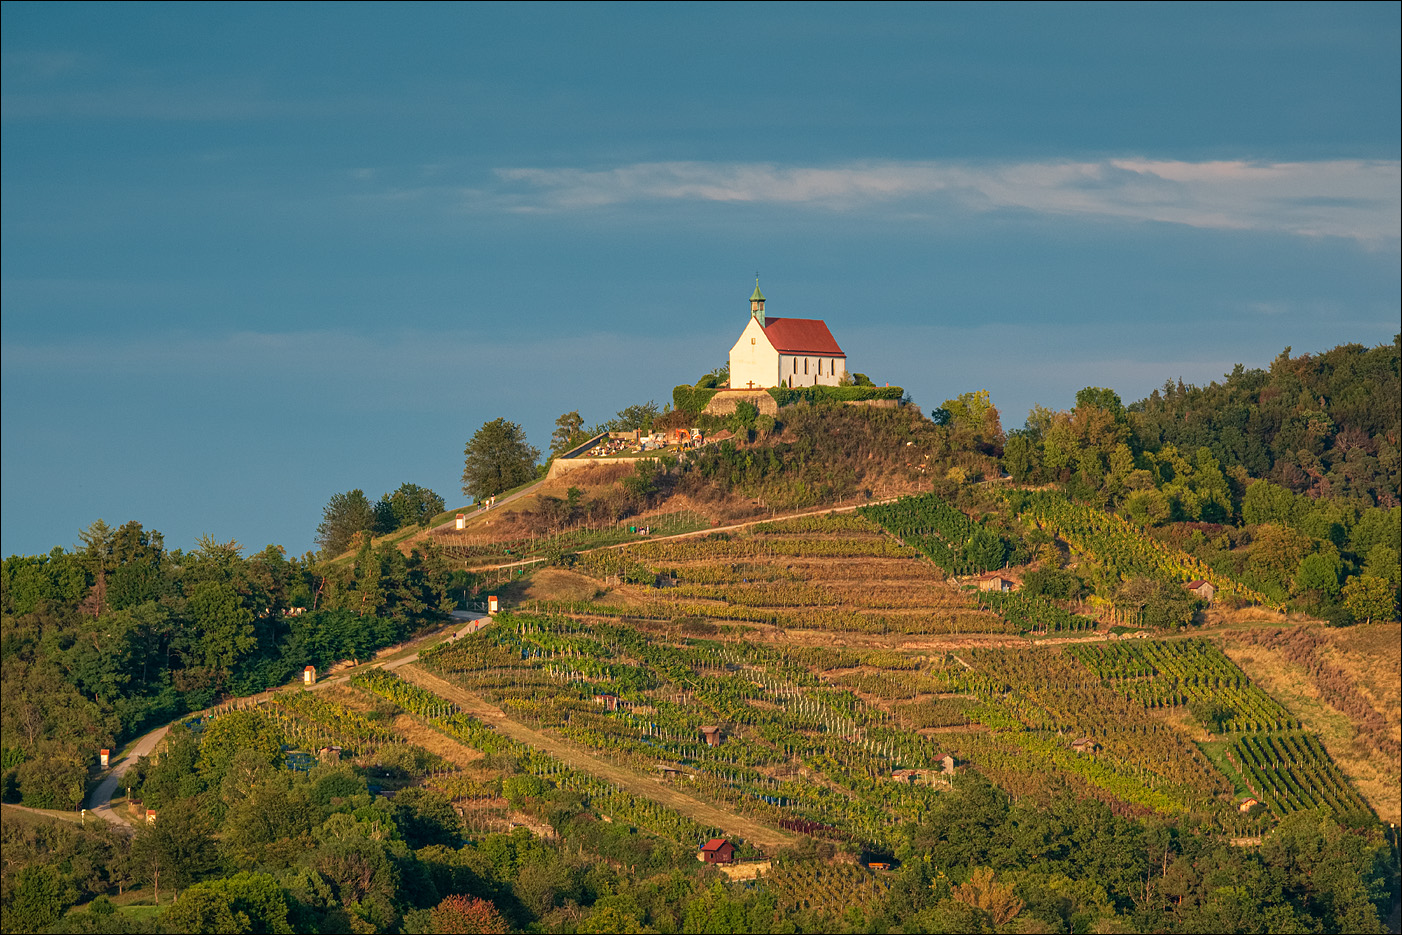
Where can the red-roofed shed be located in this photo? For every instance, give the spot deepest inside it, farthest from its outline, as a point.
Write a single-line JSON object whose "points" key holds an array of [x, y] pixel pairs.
{"points": [[717, 851]]}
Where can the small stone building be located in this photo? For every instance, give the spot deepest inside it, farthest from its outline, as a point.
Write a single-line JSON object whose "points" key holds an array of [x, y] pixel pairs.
{"points": [[711, 734], [1085, 745], [928, 777], [1202, 589]]}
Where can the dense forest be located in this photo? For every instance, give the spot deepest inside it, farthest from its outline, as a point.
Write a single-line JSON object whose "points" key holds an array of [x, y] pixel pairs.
{"points": [[1285, 479], [120, 634]]}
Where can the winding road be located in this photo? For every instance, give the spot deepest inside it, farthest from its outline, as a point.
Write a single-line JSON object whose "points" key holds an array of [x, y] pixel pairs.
{"points": [[99, 801]]}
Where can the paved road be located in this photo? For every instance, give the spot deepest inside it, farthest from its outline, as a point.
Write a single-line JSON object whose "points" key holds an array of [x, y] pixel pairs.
{"points": [[471, 511], [100, 800]]}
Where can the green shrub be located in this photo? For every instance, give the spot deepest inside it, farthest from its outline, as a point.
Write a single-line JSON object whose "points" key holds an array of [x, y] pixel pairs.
{"points": [[785, 396], [691, 399]]}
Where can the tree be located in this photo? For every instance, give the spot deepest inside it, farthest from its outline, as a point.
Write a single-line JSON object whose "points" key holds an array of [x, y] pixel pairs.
{"points": [[225, 626], [410, 505], [638, 417], [1210, 713], [1368, 598], [345, 515], [248, 733], [1320, 572], [245, 902], [496, 459], [426, 817], [985, 893], [37, 899], [1101, 398], [569, 431], [178, 848], [1160, 605], [985, 549], [467, 914]]}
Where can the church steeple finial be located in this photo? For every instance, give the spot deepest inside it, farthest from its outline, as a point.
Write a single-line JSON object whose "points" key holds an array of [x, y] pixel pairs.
{"points": [[757, 303]]}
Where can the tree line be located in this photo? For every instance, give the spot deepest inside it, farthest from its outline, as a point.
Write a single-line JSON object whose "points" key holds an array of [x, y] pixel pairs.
{"points": [[119, 633], [1285, 479], [249, 846]]}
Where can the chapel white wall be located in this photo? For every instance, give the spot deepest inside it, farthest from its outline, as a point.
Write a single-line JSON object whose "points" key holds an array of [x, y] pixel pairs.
{"points": [[753, 359]]}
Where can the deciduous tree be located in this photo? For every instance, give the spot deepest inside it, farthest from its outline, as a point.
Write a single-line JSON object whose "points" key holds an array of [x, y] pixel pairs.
{"points": [[345, 515], [496, 459], [463, 914], [1368, 598], [569, 431]]}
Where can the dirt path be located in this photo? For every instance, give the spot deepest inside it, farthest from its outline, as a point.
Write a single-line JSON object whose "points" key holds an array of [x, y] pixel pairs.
{"points": [[691, 535], [437, 742], [575, 757]]}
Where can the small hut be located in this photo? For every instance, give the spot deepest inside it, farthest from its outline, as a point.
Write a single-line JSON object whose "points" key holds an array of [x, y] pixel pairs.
{"points": [[1085, 745], [711, 734], [607, 700], [1201, 589], [309, 675], [995, 582], [717, 851]]}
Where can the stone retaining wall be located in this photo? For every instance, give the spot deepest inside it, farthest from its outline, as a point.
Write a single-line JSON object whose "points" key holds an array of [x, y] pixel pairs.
{"points": [[724, 402], [563, 465]]}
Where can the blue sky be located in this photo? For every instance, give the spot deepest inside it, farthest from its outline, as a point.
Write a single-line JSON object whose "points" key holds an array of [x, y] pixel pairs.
{"points": [[257, 254]]}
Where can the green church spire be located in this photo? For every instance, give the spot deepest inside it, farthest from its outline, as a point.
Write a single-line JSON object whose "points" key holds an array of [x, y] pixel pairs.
{"points": [[757, 303]]}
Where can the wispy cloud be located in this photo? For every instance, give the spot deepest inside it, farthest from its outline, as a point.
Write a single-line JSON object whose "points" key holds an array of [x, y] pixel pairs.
{"points": [[1341, 198]]}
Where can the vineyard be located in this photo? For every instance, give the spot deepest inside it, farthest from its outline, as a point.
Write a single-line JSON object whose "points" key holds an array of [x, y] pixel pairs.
{"points": [[1032, 613], [828, 888], [476, 549], [1037, 701], [1122, 547], [684, 670], [939, 531], [1290, 771], [1169, 674], [778, 721], [606, 797], [835, 573], [313, 722]]}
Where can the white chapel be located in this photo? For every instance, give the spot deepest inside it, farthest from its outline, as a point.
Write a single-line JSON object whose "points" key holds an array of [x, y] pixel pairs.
{"points": [[784, 352]]}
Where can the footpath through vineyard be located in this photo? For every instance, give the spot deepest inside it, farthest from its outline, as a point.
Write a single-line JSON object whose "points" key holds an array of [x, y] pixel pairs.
{"points": [[570, 754]]}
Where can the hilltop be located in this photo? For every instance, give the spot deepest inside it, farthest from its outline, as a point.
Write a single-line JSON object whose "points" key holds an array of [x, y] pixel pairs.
{"points": [[867, 647]]}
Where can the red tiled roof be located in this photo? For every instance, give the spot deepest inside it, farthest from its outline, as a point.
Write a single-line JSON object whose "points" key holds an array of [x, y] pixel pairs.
{"points": [[1195, 583], [801, 336], [715, 844]]}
